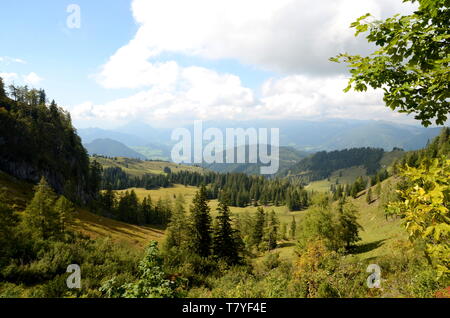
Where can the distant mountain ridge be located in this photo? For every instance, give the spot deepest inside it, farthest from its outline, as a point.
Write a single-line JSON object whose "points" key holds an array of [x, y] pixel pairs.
{"points": [[111, 148], [301, 135], [333, 134]]}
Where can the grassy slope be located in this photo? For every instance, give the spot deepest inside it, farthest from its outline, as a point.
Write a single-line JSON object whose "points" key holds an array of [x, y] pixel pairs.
{"points": [[379, 233], [96, 226], [136, 167], [188, 193], [18, 193], [377, 236], [342, 176], [349, 175]]}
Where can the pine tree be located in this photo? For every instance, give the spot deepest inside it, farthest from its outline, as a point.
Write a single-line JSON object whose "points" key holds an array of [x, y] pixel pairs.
{"points": [[40, 217], [258, 230], [272, 231], [378, 189], [293, 228], [369, 196], [201, 224], [65, 211], [176, 229], [2, 88], [283, 231], [226, 243], [147, 210]]}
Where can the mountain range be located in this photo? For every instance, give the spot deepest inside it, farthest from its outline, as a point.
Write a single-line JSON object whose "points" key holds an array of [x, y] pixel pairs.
{"points": [[306, 136]]}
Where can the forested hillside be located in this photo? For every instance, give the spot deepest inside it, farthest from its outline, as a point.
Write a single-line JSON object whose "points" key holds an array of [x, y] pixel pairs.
{"points": [[288, 157], [37, 139], [321, 164]]}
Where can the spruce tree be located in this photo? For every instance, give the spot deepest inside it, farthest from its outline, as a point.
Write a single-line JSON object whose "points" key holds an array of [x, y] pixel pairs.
{"points": [[201, 240], [176, 230], [271, 234], [293, 228], [369, 196], [283, 231], [225, 239], [65, 211], [2, 88], [378, 189], [258, 229]]}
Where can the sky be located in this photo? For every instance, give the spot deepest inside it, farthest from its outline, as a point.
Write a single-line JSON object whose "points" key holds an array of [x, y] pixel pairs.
{"points": [[170, 62]]}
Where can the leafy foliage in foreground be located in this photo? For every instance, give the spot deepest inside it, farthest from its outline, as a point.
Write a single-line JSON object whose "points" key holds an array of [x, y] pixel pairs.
{"points": [[411, 63], [424, 206]]}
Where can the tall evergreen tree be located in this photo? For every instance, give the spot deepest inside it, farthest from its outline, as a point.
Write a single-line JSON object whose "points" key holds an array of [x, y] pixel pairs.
{"points": [[226, 244], [176, 229], [271, 234], [201, 240], [378, 188], [2, 88], [369, 196], [293, 228], [258, 230], [65, 211]]}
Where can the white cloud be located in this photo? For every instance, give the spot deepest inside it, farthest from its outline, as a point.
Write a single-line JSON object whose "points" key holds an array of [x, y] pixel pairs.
{"points": [[32, 78], [302, 97], [208, 95], [8, 60], [8, 77], [199, 93], [292, 37]]}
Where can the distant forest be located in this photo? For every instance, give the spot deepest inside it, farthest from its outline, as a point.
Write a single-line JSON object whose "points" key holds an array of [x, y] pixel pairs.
{"points": [[321, 164]]}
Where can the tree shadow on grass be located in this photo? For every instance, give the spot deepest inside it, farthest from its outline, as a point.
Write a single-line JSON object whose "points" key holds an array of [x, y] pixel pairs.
{"points": [[363, 248], [285, 244]]}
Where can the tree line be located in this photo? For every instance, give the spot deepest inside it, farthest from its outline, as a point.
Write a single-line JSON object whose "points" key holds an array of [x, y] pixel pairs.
{"points": [[242, 190]]}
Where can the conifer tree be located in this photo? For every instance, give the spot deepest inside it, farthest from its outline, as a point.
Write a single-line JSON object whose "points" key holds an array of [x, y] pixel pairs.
{"points": [[293, 228], [272, 231], [369, 196], [378, 190], [2, 88], [226, 244], [258, 230], [283, 231], [176, 229], [201, 240], [40, 217], [65, 211]]}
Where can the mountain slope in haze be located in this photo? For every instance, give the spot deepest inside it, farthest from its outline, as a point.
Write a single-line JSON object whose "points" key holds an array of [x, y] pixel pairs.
{"points": [[111, 148], [90, 134], [312, 136], [336, 134]]}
